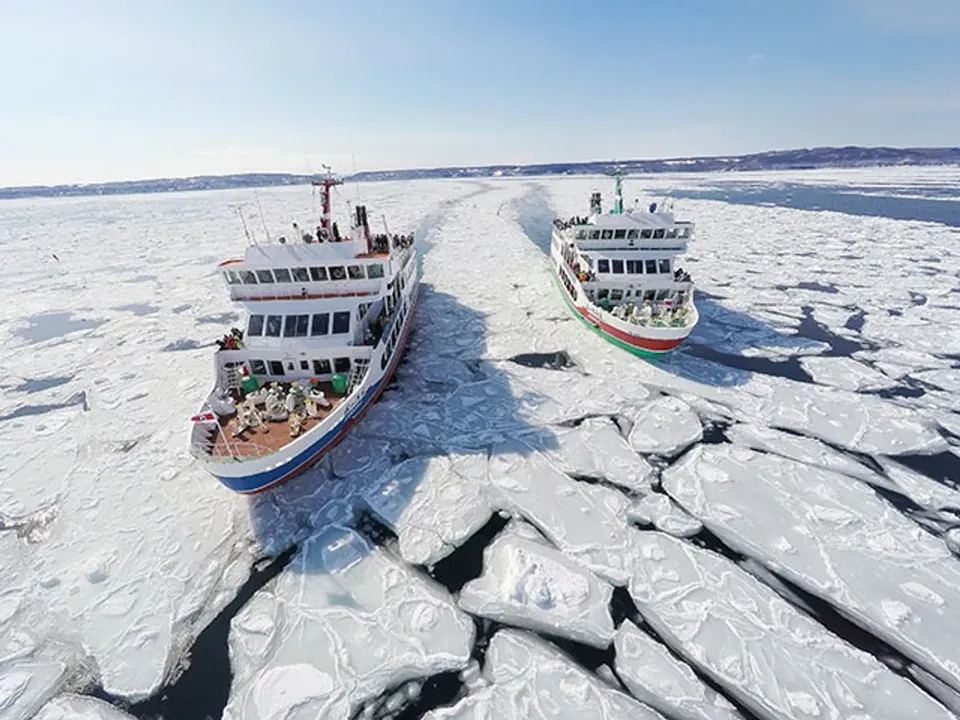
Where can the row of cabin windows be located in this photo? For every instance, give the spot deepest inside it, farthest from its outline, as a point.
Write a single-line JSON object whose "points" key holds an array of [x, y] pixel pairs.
{"points": [[617, 294], [633, 267], [298, 325], [319, 367], [633, 234], [301, 274]]}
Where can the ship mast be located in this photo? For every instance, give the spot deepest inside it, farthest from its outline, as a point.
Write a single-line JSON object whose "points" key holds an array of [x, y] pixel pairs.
{"points": [[327, 183]]}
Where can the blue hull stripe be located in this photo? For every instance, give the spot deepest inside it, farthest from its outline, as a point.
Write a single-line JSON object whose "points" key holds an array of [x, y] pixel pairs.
{"points": [[268, 478]]}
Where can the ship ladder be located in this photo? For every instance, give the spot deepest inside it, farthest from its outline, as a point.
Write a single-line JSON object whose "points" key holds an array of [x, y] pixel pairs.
{"points": [[357, 373]]}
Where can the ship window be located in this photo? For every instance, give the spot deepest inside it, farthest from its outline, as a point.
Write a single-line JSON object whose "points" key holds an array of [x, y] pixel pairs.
{"points": [[631, 267], [665, 267], [374, 271], [341, 322], [602, 294], [232, 277], [672, 233], [321, 367], [646, 234], [619, 234], [321, 324], [632, 234], [685, 233], [341, 365], [606, 234], [362, 310], [617, 266], [276, 367], [255, 326], [658, 234], [258, 367], [305, 365], [248, 277], [296, 326], [282, 275], [301, 274], [603, 266], [651, 267], [594, 234], [318, 274], [616, 295], [356, 272], [264, 276], [581, 234], [274, 323], [661, 295], [337, 273]]}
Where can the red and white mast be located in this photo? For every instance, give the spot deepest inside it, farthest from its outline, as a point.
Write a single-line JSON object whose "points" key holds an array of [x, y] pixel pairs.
{"points": [[327, 183]]}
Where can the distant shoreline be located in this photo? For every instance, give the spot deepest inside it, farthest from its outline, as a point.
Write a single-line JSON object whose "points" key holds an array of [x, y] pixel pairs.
{"points": [[802, 159]]}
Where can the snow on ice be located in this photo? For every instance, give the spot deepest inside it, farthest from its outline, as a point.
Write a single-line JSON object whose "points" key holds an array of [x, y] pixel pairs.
{"points": [[830, 333]]}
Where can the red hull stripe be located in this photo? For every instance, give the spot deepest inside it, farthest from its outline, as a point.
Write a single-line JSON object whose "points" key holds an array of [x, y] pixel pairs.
{"points": [[650, 344]]}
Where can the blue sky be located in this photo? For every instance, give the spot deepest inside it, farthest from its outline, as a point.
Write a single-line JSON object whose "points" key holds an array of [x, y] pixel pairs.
{"points": [[95, 90]]}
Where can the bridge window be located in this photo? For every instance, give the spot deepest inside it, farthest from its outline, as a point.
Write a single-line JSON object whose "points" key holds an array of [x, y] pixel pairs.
{"points": [[581, 234], [301, 274], [341, 323], [282, 275], [606, 234], [276, 367], [658, 234], [594, 234], [318, 274], [248, 277], [255, 326], [619, 234], [672, 233], [356, 272], [617, 266], [274, 323], [232, 277], [258, 367], [338, 273], [685, 234], [665, 267], [341, 365], [646, 234], [264, 276], [633, 234], [296, 326], [651, 267], [374, 271], [603, 266], [321, 324]]}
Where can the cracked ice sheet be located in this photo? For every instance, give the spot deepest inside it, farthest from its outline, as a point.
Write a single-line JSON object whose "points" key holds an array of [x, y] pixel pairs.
{"points": [[531, 678], [431, 506], [665, 426], [835, 538], [665, 515], [776, 661], [586, 522], [341, 624], [656, 677], [845, 373], [595, 449], [78, 707], [528, 584]]}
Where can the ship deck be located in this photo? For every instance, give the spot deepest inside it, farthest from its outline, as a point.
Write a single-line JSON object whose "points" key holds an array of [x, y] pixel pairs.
{"points": [[253, 442]]}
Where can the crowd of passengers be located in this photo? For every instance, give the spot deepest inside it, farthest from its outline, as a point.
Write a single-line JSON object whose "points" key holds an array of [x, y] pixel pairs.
{"points": [[381, 242], [565, 224]]}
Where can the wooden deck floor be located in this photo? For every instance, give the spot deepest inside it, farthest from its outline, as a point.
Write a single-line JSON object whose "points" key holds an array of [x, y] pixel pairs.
{"points": [[254, 443]]}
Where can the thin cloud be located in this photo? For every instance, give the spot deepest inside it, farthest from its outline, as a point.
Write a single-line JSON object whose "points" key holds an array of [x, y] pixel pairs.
{"points": [[755, 58]]}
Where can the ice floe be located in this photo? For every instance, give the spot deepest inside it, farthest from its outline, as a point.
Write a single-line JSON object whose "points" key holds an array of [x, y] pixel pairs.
{"points": [[665, 426], [530, 678], [666, 684], [341, 625], [835, 538], [663, 514], [528, 584], [775, 661], [845, 373], [78, 707]]}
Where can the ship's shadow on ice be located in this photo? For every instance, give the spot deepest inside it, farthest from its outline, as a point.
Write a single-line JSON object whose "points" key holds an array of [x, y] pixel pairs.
{"points": [[442, 405]]}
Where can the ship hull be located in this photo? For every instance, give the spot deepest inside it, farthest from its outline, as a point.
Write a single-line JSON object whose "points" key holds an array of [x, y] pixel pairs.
{"points": [[653, 343], [251, 476]]}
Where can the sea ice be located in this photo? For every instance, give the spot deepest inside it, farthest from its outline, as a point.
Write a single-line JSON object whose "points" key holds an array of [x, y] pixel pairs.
{"points": [[835, 538], [657, 678], [845, 373], [776, 661], [665, 426], [342, 624], [528, 584], [661, 512], [78, 707], [531, 678]]}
